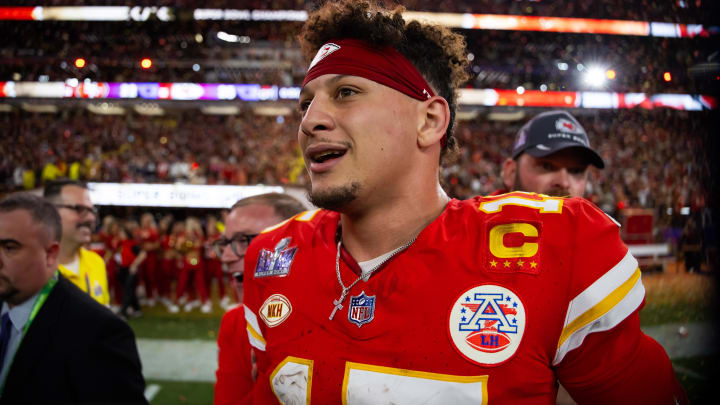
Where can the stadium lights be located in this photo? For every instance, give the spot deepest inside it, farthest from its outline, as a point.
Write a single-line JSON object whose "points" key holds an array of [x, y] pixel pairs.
{"points": [[146, 63], [79, 63], [224, 36], [595, 76]]}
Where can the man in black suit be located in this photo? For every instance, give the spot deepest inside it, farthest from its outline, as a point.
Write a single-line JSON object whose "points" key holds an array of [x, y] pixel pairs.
{"points": [[57, 345]]}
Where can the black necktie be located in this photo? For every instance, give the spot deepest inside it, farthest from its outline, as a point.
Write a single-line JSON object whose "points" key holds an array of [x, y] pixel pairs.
{"points": [[4, 337]]}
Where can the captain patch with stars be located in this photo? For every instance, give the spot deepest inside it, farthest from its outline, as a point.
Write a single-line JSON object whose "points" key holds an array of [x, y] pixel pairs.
{"points": [[486, 324]]}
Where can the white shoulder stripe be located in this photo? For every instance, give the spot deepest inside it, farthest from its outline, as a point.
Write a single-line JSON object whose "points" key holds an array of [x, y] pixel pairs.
{"points": [[609, 320], [253, 329], [601, 288], [307, 215]]}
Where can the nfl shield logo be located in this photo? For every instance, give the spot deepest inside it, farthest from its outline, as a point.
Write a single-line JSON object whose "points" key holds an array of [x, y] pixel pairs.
{"points": [[362, 309]]}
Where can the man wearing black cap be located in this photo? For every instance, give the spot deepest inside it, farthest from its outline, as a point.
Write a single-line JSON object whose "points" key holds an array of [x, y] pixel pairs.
{"points": [[551, 155]]}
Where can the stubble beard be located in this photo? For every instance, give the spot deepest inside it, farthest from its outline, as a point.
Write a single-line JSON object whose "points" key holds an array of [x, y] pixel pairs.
{"points": [[335, 198], [10, 293], [553, 192]]}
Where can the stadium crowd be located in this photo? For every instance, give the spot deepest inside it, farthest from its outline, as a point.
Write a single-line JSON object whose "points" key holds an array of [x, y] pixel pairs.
{"points": [[685, 11], [655, 158], [265, 51], [193, 53], [180, 265]]}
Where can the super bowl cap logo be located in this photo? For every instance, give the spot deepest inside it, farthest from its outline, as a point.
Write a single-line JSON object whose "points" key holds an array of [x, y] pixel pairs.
{"points": [[486, 324], [276, 262], [323, 52], [565, 125]]}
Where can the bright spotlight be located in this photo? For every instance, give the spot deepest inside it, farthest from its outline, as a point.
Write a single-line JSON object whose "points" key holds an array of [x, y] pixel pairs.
{"points": [[146, 63], [610, 74], [595, 76], [79, 63]]}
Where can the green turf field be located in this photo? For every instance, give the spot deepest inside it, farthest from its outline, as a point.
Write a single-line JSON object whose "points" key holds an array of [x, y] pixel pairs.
{"points": [[182, 393], [157, 323]]}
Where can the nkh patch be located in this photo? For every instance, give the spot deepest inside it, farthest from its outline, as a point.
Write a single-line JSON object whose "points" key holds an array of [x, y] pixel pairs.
{"points": [[486, 324], [513, 247], [275, 310], [276, 262], [323, 52], [362, 309]]}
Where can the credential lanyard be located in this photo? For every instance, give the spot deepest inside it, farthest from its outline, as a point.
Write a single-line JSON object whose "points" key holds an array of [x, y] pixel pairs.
{"points": [[39, 301]]}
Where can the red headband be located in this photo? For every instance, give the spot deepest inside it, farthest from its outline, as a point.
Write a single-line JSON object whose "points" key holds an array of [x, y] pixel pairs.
{"points": [[386, 66]]}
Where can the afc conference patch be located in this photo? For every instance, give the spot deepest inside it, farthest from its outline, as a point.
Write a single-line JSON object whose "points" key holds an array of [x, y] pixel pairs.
{"points": [[276, 262], [486, 324], [362, 309], [513, 247]]}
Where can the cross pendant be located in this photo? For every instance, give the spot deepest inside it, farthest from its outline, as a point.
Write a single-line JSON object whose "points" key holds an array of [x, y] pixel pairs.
{"points": [[338, 305]]}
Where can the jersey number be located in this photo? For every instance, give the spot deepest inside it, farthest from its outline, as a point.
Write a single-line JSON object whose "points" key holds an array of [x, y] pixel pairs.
{"points": [[368, 384], [541, 202]]}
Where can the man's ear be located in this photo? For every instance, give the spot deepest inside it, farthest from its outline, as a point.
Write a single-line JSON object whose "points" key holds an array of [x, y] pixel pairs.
{"points": [[433, 121], [52, 252], [509, 171]]}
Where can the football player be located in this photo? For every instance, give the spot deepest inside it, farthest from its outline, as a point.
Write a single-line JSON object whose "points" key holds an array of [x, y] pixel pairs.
{"points": [[395, 293]]}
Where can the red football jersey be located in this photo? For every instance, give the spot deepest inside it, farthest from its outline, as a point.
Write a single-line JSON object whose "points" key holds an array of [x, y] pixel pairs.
{"points": [[495, 301], [231, 382]]}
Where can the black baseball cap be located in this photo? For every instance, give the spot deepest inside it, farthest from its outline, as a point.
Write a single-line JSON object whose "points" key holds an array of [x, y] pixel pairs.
{"points": [[553, 131]]}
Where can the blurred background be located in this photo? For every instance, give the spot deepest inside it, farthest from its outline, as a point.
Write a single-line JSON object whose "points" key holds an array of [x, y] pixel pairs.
{"points": [[179, 108]]}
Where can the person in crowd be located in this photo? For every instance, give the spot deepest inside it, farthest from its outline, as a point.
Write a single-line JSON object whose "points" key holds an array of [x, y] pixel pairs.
{"points": [[57, 344], [167, 263], [213, 265], [130, 257], [149, 241], [190, 245], [109, 238], [394, 292], [247, 218], [79, 265], [552, 156]]}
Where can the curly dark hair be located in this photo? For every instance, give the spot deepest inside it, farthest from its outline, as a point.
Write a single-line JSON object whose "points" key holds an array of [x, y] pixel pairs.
{"points": [[436, 52]]}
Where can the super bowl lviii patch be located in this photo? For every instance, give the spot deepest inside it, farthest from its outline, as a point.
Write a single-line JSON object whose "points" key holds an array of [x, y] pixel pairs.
{"points": [[276, 262], [513, 247], [486, 324], [275, 310]]}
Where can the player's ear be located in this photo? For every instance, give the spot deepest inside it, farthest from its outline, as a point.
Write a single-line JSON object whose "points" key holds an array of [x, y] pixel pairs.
{"points": [[509, 171], [433, 121]]}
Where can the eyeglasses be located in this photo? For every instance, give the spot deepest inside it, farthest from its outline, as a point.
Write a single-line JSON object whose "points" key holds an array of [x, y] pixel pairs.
{"points": [[79, 209], [238, 243]]}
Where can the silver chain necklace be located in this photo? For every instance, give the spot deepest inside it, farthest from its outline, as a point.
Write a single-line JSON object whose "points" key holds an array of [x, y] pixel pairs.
{"points": [[338, 302]]}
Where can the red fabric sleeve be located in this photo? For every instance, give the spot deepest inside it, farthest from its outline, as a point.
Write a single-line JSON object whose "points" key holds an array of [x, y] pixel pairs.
{"points": [[233, 376], [621, 366]]}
